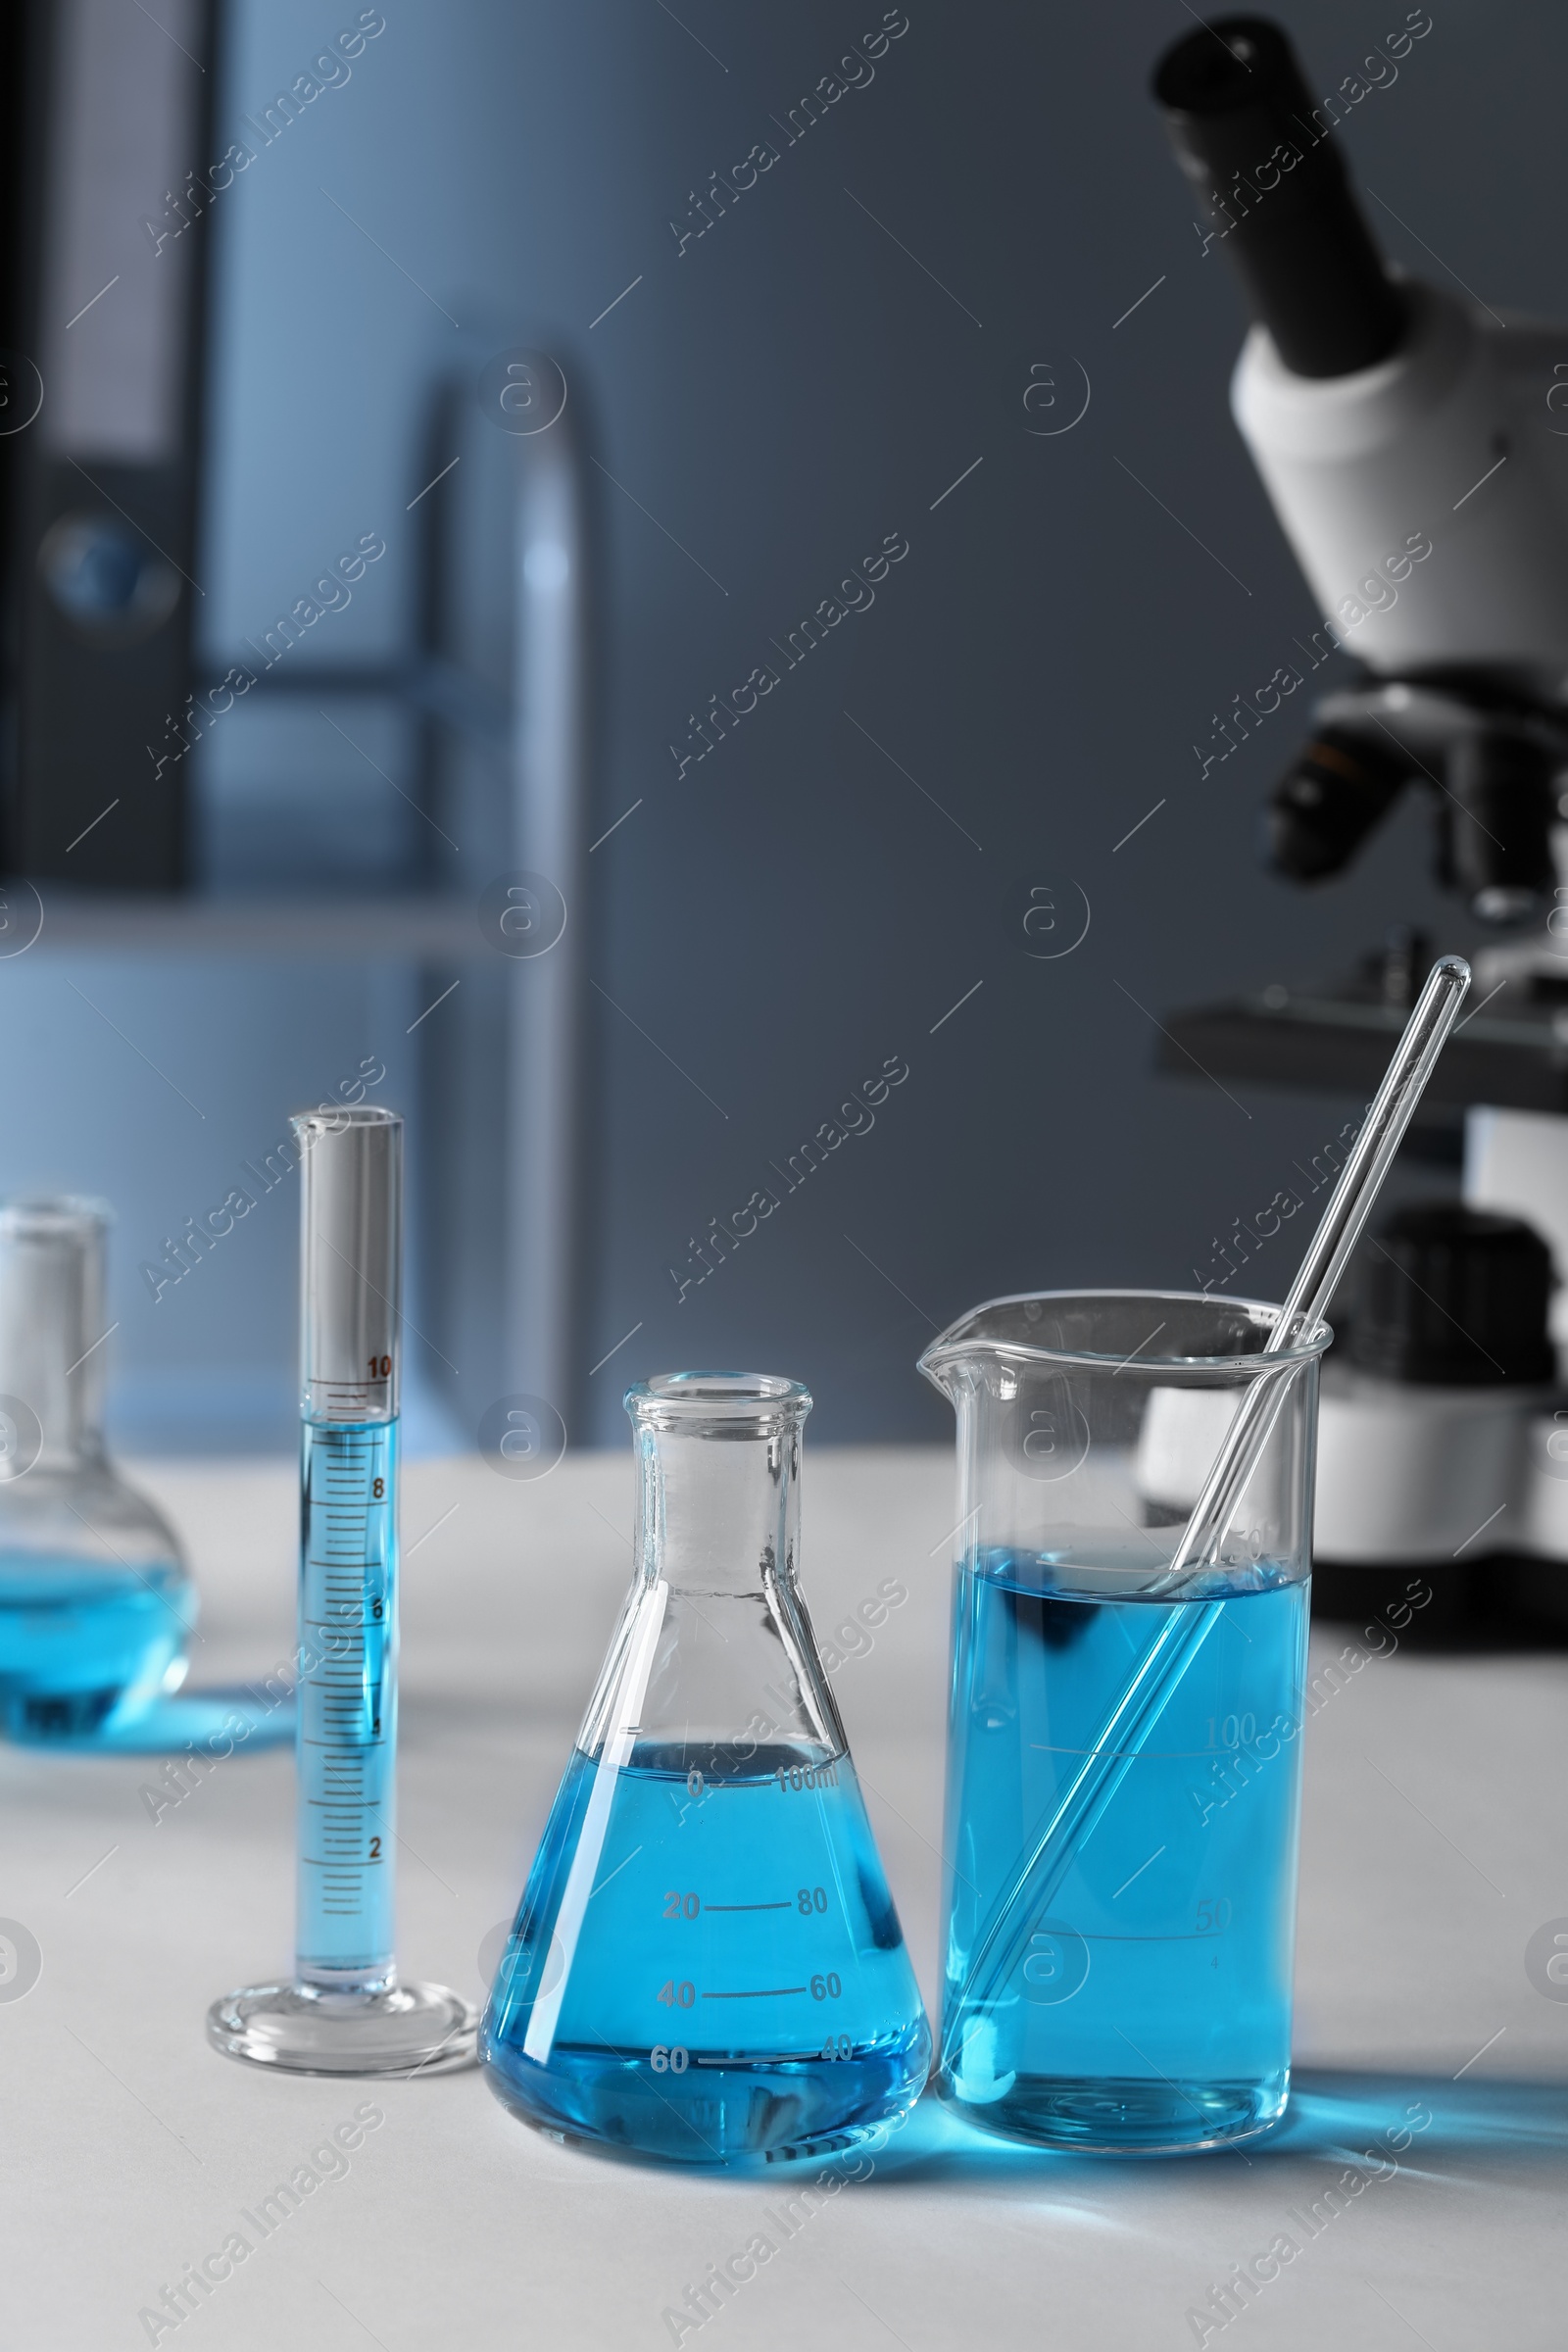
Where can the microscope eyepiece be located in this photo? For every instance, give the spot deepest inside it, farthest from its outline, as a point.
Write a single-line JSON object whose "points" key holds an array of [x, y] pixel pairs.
{"points": [[1269, 180]]}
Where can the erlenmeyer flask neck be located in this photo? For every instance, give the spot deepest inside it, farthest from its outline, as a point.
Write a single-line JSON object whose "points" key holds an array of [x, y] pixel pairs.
{"points": [[719, 1483], [51, 1326], [715, 1659]]}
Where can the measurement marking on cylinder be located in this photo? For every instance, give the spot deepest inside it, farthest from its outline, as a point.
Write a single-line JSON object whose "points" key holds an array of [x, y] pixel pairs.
{"points": [[748, 1906], [347, 1696]]}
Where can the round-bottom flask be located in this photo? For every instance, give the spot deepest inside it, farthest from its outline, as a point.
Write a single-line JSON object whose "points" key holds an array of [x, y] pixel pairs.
{"points": [[96, 1607]]}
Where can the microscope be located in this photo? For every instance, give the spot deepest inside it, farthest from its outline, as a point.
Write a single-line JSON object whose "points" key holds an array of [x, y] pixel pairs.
{"points": [[1414, 446]]}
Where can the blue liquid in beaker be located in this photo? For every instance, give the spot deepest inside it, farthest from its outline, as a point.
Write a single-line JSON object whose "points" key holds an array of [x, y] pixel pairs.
{"points": [[1151, 2008], [707, 1963], [80, 1638]]}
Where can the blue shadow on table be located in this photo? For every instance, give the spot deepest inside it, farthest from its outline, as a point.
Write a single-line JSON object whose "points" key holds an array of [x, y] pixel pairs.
{"points": [[1338, 2113], [219, 1721]]}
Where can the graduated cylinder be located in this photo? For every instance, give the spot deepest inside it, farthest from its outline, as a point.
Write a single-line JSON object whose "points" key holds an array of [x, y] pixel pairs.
{"points": [[351, 1168]]}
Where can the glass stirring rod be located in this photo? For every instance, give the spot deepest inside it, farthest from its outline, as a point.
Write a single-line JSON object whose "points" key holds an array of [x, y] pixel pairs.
{"points": [[1104, 1767], [347, 2011]]}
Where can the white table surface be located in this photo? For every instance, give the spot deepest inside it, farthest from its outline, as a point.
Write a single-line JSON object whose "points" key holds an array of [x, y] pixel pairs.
{"points": [[128, 2148]]}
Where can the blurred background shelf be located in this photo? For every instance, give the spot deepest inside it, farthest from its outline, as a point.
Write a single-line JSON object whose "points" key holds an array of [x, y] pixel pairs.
{"points": [[422, 927]]}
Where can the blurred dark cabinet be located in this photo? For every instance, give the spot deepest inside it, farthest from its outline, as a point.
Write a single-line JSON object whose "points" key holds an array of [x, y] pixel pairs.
{"points": [[109, 111]]}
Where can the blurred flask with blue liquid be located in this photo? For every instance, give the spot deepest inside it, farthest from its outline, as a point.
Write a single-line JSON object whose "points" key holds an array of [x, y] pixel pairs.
{"points": [[96, 1604]]}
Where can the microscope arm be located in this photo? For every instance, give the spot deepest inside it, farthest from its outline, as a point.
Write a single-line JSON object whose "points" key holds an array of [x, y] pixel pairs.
{"points": [[1408, 449]]}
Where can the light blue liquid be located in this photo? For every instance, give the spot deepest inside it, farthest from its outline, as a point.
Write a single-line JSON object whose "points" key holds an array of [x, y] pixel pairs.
{"points": [[1150, 2009], [712, 1968], [80, 1638], [347, 1737]]}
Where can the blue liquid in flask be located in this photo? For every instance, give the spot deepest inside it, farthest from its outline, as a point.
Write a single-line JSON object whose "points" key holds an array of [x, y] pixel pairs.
{"points": [[85, 1641], [96, 1609], [707, 1963], [1151, 2007], [706, 1966]]}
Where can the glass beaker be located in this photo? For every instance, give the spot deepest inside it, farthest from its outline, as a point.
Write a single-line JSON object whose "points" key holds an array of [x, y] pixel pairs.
{"points": [[1120, 1903], [707, 1964], [96, 1608]]}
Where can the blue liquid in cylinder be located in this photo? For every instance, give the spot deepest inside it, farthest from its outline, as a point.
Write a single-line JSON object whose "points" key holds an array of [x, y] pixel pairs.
{"points": [[80, 1638], [347, 1737], [707, 1963], [1150, 2008]]}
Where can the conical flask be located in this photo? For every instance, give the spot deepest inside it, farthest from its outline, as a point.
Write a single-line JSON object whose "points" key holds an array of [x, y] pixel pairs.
{"points": [[707, 1964]]}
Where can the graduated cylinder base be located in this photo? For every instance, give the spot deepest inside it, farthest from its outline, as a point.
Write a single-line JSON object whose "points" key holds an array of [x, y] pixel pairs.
{"points": [[301, 2030], [1101, 2116]]}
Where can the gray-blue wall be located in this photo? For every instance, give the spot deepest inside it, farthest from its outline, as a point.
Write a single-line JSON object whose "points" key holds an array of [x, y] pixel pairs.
{"points": [[772, 400]]}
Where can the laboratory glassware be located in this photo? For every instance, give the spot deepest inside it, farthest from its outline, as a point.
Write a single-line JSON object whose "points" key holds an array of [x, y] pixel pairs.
{"points": [[347, 2010], [1017, 1933], [707, 1964], [1140, 2000], [96, 1607]]}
